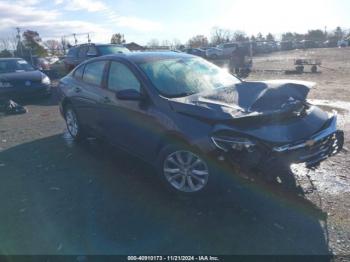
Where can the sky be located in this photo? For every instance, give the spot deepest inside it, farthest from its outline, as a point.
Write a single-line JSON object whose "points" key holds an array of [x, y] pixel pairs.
{"points": [[143, 20]]}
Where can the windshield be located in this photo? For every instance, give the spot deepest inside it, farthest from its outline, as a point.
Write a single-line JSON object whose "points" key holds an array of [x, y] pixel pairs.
{"points": [[11, 66], [112, 49], [186, 76]]}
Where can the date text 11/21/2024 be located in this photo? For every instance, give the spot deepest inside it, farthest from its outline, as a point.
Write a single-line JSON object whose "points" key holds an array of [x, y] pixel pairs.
{"points": [[173, 258]]}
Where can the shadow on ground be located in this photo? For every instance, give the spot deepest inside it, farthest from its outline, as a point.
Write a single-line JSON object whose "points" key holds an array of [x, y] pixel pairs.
{"points": [[60, 198]]}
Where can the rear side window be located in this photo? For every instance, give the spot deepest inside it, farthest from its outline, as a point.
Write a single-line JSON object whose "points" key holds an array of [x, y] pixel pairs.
{"points": [[92, 50], [82, 51], [72, 52], [78, 73], [93, 73], [230, 45], [120, 78]]}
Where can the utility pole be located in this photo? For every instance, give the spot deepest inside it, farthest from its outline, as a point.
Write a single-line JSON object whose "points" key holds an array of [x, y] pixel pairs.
{"points": [[63, 43], [88, 36], [75, 38], [19, 40]]}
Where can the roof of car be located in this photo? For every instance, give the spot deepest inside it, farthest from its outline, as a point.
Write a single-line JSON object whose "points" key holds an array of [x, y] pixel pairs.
{"points": [[10, 58], [95, 44], [143, 57]]}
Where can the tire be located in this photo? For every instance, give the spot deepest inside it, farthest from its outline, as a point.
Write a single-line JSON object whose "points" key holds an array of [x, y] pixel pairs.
{"points": [[214, 56], [73, 125], [183, 170], [299, 69], [314, 69]]}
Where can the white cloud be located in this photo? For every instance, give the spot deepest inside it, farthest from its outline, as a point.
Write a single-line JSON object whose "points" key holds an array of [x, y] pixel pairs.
{"points": [[20, 15], [48, 23], [52, 23], [132, 22], [58, 2], [276, 16], [27, 2], [88, 5]]}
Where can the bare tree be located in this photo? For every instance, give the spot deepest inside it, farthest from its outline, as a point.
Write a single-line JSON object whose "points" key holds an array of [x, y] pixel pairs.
{"points": [[270, 37], [240, 36], [220, 35], [176, 44], [339, 33], [118, 39], [198, 41], [153, 43], [53, 46], [166, 43], [260, 37], [8, 43], [4, 45]]}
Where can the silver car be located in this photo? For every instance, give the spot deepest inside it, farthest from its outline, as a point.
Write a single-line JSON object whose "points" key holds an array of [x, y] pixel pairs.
{"points": [[221, 51]]}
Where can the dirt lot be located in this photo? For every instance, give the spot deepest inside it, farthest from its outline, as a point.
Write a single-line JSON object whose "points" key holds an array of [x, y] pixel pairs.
{"points": [[60, 198]]}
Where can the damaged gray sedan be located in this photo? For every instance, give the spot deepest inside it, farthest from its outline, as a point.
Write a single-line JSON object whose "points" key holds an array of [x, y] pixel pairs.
{"points": [[189, 117]]}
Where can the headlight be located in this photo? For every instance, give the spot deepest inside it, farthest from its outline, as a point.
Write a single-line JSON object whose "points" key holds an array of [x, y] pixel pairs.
{"points": [[232, 143], [5, 84], [45, 80]]}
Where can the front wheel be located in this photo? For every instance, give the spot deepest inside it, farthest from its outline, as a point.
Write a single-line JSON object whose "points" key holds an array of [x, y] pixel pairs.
{"points": [[183, 170]]}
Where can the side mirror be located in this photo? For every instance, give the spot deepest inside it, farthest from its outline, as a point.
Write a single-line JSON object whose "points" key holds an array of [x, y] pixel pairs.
{"points": [[129, 94]]}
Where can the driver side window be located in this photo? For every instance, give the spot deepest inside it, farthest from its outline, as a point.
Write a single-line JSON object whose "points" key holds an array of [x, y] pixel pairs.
{"points": [[120, 77]]}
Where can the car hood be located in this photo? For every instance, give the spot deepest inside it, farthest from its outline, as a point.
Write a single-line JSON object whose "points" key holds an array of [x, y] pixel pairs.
{"points": [[35, 75], [257, 109], [245, 100]]}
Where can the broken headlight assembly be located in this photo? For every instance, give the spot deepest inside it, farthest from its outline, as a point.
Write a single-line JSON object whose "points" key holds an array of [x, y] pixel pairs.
{"points": [[45, 80], [232, 143]]}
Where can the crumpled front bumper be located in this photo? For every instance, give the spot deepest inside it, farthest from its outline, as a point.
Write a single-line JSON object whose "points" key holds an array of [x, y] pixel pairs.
{"points": [[315, 149]]}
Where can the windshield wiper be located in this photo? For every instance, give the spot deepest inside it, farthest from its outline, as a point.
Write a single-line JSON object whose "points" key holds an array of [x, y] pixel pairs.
{"points": [[183, 94]]}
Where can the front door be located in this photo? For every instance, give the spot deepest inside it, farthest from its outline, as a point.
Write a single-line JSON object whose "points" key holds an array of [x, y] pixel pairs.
{"points": [[127, 123]]}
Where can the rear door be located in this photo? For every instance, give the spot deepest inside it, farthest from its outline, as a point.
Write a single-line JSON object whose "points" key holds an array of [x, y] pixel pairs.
{"points": [[86, 91]]}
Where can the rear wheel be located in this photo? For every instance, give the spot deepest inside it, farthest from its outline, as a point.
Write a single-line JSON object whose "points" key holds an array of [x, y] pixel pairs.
{"points": [[73, 126], [214, 56], [314, 69], [299, 69]]}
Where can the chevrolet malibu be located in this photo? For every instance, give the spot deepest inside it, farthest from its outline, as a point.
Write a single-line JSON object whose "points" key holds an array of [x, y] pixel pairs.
{"points": [[189, 117]]}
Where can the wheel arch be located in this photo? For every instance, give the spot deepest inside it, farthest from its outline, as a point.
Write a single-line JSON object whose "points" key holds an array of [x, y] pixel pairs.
{"points": [[174, 138], [171, 138], [66, 101]]}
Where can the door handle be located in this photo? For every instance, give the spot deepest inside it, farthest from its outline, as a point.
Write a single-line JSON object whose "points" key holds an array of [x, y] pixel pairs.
{"points": [[106, 100], [77, 89]]}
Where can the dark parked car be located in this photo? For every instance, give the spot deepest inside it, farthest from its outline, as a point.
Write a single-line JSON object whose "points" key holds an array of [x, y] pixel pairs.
{"points": [[18, 79], [180, 112], [80, 53], [196, 51]]}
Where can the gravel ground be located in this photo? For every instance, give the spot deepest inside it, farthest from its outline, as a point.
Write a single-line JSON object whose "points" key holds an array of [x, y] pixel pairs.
{"points": [[60, 198]]}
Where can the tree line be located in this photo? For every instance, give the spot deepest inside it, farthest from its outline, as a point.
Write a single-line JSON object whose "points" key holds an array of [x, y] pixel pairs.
{"points": [[30, 42]]}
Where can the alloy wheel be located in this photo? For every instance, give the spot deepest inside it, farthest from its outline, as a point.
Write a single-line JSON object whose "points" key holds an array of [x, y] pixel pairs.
{"points": [[186, 171], [72, 122]]}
